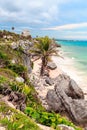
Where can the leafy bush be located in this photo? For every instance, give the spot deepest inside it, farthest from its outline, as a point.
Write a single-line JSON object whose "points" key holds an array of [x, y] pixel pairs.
{"points": [[49, 119], [17, 68], [3, 56], [15, 120], [2, 79], [26, 90]]}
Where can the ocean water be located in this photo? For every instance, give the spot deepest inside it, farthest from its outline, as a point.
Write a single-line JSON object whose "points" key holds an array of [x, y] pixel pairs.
{"points": [[77, 51]]}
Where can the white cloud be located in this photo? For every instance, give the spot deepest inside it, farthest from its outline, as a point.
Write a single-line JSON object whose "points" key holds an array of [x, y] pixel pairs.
{"points": [[28, 11], [68, 26]]}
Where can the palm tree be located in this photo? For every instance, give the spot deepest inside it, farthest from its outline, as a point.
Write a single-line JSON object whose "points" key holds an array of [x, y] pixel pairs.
{"points": [[44, 49], [12, 28]]}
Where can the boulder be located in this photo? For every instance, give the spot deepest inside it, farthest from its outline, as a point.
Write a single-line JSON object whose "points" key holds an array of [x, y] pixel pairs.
{"points": [[75, 91], [69, 86], [65, 127], [54, 102], [68, 98], [20, 79], [49, 81], [51, 65]]}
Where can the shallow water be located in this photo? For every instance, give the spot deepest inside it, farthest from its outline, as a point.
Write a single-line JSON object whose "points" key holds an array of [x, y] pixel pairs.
{"points": [[76, 51]]}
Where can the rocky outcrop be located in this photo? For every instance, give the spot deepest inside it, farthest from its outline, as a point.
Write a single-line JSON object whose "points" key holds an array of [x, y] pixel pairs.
{"points": [[68, 98], [17, 99], [69, 86], [51, 65], [24, 46], [48, 80], [27, 62]]}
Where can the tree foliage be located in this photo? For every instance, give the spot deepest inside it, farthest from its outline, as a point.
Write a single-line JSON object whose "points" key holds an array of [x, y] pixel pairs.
{"points": [[44, 49]]}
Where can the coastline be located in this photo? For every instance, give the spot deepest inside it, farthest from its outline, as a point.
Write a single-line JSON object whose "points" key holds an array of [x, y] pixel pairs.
{"points": [[67, 66], [64, 65]]}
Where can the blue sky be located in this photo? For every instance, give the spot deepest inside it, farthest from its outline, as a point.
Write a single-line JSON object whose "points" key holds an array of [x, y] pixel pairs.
{"points": [[63, 19]]}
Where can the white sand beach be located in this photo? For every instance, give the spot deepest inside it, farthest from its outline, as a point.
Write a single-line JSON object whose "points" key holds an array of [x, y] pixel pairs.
{"points": [[64, 65]]}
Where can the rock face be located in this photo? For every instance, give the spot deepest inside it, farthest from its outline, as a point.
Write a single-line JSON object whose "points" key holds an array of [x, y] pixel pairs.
{"points": [[49, 81], [51, 65], [68, 98], [25, 46], [69, 86]]}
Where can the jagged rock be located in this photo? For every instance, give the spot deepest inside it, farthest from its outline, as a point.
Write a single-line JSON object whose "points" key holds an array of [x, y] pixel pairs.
{"points": [[54, 102], [51, 65], [75, 108], [25, 45], [20, 79], [65, 127], [49, 81], [69, 86], [75, 91], [68, 98], [27, 62]]}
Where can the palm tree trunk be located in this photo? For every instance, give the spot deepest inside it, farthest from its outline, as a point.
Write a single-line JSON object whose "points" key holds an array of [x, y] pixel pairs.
{"points": [[43, 66]]}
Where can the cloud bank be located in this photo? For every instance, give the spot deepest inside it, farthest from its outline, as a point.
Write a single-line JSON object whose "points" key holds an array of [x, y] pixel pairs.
{"points": [[68, 26], [45, 17]]}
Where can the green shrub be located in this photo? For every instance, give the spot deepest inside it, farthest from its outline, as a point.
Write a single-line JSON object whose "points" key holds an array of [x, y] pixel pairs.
{"points": [[49, 119], [17, 68], [2, 79], [3, 56], [15, 120]]}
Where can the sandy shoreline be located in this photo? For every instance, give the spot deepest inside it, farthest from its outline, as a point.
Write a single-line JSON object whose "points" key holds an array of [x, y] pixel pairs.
{"points": [[67, 66], [64, 65]]}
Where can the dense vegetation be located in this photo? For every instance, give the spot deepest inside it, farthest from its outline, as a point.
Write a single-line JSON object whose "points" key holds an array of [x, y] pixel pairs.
{"points": [[13, 119]]}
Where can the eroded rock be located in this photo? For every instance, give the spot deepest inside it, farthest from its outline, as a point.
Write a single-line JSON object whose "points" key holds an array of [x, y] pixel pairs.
{"points": [[68, 98], [51, 65]]}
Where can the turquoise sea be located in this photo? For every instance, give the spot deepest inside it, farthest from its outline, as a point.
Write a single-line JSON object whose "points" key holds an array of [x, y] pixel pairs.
{"points": [[77, 51]]}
